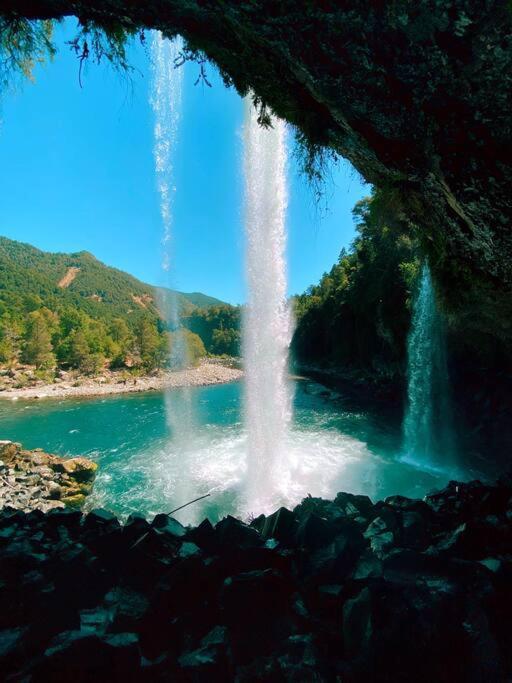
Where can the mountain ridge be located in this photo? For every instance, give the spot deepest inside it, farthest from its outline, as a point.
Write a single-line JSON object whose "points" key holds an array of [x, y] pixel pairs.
{"points": [[81, 279]]}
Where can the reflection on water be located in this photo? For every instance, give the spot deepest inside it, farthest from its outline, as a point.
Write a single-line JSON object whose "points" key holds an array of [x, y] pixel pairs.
{"points": [[144, 470]]}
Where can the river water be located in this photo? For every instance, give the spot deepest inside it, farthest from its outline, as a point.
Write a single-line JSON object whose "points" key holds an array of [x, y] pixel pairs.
{"points": [[332, 446]]}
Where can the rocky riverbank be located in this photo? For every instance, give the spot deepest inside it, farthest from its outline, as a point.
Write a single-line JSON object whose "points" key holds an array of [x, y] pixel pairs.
{"points": [[209, 372], [34, 480], [344, 590]]}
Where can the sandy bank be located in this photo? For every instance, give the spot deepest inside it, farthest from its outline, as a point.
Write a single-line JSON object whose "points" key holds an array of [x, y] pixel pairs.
{"points": [[209, 372]]}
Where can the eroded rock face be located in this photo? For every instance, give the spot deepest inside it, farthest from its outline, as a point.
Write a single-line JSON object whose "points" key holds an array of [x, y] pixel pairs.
{"points": [[416, 95], [333, 590], [34, 480]]}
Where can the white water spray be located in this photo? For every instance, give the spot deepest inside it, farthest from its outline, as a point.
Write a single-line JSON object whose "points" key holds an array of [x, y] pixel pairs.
{"points": [[267, 324]]}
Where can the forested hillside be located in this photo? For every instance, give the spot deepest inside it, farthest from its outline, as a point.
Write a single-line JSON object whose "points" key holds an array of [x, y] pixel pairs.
{"points": [[358, 315], [72, 311]]}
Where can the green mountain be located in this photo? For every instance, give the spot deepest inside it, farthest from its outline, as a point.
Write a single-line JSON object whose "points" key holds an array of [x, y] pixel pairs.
{"points": [[30, 278], [72, 311]]}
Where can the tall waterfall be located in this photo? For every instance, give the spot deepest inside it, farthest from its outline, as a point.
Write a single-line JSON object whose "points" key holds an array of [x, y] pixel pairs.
{"points": [[166, 101], [267, 323], [428, 429]]}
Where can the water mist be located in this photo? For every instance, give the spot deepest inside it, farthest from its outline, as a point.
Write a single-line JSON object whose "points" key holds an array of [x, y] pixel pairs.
{"points": [[267, 324]]}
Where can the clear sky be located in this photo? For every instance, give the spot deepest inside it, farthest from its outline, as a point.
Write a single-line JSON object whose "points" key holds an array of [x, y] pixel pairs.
{"points": [[77, 173]]}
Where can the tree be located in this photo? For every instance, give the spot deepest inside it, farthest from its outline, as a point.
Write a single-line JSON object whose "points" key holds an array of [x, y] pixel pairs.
{"points": [[10, 340], [226, 342], [38, 348], [148, 344], [79, 352]]}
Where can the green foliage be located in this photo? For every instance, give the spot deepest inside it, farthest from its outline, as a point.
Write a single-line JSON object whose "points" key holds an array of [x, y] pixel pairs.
{"points": [[218, 327], [23, 44], [149, 347], [37, 346], [194, 346], [358, 314], [95, 316]]}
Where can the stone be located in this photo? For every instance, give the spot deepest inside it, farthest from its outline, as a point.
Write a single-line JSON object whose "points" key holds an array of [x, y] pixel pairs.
{"points": [[314, 532], [203, 535], [357, 624], [188, 549], [354, 504], [232, 532], [81, 469], [281, 525], [169, 525], [76, 501]]}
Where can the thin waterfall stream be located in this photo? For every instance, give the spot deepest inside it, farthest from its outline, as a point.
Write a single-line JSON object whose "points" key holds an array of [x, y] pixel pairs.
{"points": [[428, 422], [166, 101]]}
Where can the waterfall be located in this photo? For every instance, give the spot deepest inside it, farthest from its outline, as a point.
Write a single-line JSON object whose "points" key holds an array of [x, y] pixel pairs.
{"points": [[428, 434], [166, 102], [267, 321]]}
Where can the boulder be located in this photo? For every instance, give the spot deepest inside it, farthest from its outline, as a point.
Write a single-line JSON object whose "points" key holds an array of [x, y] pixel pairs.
{"points": [[234, 533], [81, 469], [281, 525]]}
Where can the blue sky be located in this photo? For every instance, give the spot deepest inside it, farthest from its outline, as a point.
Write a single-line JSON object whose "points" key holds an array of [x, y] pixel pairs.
{"points": [[78, 174]]}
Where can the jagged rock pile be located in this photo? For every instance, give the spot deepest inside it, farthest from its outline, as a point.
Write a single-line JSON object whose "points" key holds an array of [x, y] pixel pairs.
{"points": [[34, 480], [343, 590]]}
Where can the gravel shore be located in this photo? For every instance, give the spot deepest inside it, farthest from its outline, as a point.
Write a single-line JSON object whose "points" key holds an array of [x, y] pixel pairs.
{"points": [[209, 372]]}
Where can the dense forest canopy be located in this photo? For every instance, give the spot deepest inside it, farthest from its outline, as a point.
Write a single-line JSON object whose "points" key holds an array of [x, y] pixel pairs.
{"points": [[359, 314]]}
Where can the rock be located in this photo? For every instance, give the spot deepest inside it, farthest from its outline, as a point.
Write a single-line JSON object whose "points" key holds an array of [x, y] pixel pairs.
{"points": [[9, 451], [169, 525], [203, 535], [354, 505], [413, 532], [281, 525], [85, 657], [81, 469], [357, 624], [232, 532], [75, 501], [188, 549], [54, 490], [314, 532]]}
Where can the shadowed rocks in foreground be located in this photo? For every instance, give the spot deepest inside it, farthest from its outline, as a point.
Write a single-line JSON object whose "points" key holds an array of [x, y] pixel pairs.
{"points": [[339, 590]]}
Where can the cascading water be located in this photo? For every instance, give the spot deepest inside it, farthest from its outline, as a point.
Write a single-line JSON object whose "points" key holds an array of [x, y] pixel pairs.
{"points": [[428, 433], [267, 323], [166, 101]]}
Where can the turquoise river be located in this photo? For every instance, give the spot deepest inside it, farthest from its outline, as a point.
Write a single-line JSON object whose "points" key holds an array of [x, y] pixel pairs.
{"points": [[145, 468]]}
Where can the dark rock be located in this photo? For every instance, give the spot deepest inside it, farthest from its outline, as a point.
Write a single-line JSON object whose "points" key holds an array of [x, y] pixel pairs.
{"points": [[258, 523], [354, 504], [357, 624], [232, 532], [169, 525], [203, 535], [281, 525], [87, 657], [314, 532]]}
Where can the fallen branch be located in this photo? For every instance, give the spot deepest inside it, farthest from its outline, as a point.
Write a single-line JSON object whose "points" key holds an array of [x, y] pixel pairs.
{"points": [[139, 540]]}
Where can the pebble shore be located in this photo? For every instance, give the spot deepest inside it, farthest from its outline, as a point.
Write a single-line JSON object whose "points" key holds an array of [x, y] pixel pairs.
{"points": [[207, 373]]}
